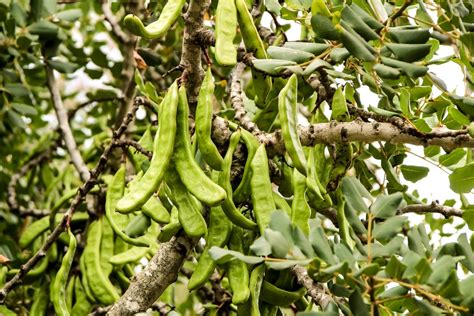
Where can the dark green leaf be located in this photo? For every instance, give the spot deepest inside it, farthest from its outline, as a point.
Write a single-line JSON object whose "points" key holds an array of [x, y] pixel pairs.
{"points": [[223, 255], [386, 205], [24, 109], [414, 173]]}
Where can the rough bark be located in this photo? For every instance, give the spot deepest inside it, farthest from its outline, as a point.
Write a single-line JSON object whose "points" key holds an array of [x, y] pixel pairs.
{"points": [[161, 271]]}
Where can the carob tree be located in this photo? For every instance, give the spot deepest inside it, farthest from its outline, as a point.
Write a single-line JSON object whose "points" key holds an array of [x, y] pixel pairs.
{"points": [[226, 159]]}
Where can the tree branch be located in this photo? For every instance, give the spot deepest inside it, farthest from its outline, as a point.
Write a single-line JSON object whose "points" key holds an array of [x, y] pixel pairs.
{"points": [[127, 142], [64, 126], [238, 103], [164, 267], [434, 207], [116, 29], [81, 193], [127, 44], [161, 271], [318, 292], [191, 54]]}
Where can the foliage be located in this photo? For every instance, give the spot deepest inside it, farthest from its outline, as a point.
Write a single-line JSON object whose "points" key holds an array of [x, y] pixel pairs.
{"points": [[257, 204]]}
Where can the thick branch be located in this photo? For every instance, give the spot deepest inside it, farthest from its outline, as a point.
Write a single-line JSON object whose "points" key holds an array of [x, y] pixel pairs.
{"points": [[64, 126], [335, 132], [355, 131], [81, 193], [191, 54], [160, 272], [317, 291]]}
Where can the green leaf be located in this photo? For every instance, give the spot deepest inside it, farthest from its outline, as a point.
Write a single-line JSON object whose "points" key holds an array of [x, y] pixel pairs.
{"points": [[452, 158], [282, 265], [339, 107], [280, 245], [320, 243], [379, 250], [354, 191], [450, 287], [223, 255], [63, 67], [15, 119], [369, 270], [441, 270], [24, 109], [468, 216], [464, 248], [458, 116], [323, 27], [423, 270], [386, 205], [290, 54], [44, 29], [357, 304], [389, 228], [414, 173], [70, 15], [395, 268], [393, 292], [409, 52], [261, 247], [462, 179]]}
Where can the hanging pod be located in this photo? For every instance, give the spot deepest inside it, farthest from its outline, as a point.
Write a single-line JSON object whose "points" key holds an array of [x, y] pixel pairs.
{"points": [[190, 173], [204, 123], [287, 112], [226, 29], [168, 16], [218, 235], [253, 43], [162, 152]]}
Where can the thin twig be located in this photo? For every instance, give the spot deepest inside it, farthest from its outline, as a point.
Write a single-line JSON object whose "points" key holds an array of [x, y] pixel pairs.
{"points": [[81, 193], [63, 124], [73, 112], [127, 142], [400, 11], [14, 180], [116, 29], [434, 207], [238, 102]]}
